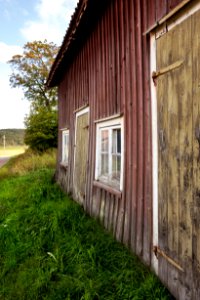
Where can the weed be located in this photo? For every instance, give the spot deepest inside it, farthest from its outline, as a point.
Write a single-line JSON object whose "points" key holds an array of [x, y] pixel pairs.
{"points": [[51, 250]]}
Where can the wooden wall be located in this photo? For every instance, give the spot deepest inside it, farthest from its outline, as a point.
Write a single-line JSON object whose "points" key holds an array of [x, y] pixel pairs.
{"points": [[110, 73], [114, 79]]}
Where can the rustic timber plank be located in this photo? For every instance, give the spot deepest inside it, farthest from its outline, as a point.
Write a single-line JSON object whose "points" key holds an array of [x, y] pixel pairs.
{"points": [[127, 120], [134, 129], [111, 210], [195, 209], [147, 228], [184, 94], [107, 207], [96, 201], [115, 214], [81, 157], [162, 158], [172, 99], [121, 212], [102, 206], [140, 137]]}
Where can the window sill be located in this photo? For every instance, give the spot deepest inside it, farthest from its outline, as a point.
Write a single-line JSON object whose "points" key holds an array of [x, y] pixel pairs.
{"points": [[108, 188]]}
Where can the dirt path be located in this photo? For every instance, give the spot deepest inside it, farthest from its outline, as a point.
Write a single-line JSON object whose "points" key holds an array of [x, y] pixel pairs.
{"points": [[3, 161]]}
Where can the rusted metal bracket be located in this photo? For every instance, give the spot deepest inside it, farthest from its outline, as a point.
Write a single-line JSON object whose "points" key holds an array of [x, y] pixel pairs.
{"points": [[157, 251], [165, 70]]}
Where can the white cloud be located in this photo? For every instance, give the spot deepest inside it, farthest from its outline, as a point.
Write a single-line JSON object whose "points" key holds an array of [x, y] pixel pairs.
{"points": [[12, 107], [7, 51], [53, 19]]}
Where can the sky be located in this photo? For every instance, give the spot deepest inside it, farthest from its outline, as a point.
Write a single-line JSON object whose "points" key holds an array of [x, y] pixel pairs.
{"points": [[23, 21]]}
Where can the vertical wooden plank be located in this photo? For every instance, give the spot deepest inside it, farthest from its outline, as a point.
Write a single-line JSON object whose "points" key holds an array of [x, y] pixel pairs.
{"points": [[163, 142], [120, 225], [140, 137], [107, 207], [127, 124], [95, 202], [134, 128], [113, 60], [172, 103], [161, 9], [105, 53], [102, 206], [99, 72], [183, 85], [118, 103], [111, 210], [102, 107], [151, 16], [147, 228], [195, 209], [94, 85], [81, 156], [175, 158], [115, 213]]}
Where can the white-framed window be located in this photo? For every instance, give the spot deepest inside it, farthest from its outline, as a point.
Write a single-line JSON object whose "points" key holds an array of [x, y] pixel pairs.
{"points": [[65, 146], [109, 152]]}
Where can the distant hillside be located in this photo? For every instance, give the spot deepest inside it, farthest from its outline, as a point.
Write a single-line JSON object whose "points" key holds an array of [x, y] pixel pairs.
{"points": [[13, 137]]}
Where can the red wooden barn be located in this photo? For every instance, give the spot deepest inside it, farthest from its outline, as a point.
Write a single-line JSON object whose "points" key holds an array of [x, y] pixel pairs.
{"points": [[128, 77]]}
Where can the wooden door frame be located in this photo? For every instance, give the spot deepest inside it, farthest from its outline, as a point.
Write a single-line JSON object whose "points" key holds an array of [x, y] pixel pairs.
{"points": [[154, 132], [78, 113]]}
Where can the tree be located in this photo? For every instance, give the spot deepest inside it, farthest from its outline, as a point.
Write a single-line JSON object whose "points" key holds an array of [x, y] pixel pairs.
{"points": [[41, 129], [30, 71]]}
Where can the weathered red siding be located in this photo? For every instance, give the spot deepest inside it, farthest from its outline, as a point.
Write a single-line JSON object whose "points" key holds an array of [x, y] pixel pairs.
{"points": [[114, 79], [110, 73]]}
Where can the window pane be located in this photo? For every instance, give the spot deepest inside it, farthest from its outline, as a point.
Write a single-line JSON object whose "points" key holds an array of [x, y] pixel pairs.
{"points": [[116, 141], [116, 167], [104, 141], [65, 147], [104, 164]]}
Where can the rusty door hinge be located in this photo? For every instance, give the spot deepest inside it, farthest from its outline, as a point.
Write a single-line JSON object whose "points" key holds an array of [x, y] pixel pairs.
{"points": [[157, 251], [167, 69]]}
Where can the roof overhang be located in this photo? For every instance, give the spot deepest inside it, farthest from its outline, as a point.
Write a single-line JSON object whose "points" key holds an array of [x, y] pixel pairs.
{"points": [[82, 23]]}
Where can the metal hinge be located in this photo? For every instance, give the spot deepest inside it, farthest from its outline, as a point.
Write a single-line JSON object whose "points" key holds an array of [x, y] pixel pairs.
{"points": [[169, 68], [157, 251], [161, 31]]}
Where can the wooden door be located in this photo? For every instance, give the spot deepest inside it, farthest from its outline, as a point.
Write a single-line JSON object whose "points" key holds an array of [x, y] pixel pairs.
{"points": [[177, 82], [81, 155]]}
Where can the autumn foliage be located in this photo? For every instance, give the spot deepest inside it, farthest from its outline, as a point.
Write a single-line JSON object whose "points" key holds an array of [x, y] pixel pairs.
{"points": [[29, 72]]}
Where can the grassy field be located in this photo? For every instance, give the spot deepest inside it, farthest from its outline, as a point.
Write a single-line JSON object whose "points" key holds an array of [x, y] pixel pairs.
{"points": [[12, 151], [52, 250]]}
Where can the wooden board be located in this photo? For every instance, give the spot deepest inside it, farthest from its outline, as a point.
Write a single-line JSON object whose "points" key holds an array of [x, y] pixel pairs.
{"points": [[81, 156], [178, 157], [195, 207]]}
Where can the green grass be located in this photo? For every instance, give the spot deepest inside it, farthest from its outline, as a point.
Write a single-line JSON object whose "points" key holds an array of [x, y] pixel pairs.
{"points": [[50, 249], [28, 162]]}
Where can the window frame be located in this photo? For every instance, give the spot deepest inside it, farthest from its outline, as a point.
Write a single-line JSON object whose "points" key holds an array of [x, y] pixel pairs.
{"points": [[65, 132], [110, 125]]}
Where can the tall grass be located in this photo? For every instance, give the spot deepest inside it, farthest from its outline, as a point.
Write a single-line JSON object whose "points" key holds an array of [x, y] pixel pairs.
{"points": [[28, 162], [50, 249]]}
